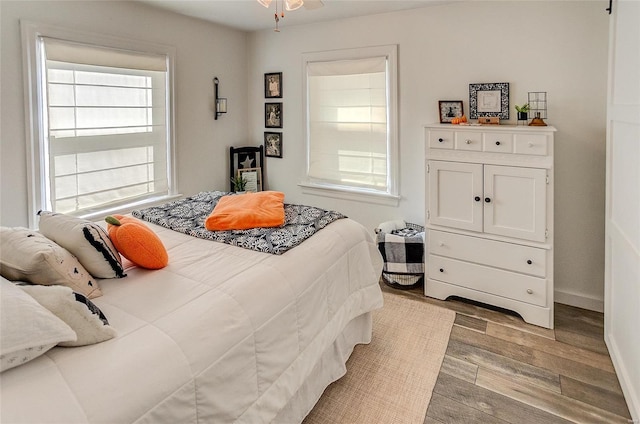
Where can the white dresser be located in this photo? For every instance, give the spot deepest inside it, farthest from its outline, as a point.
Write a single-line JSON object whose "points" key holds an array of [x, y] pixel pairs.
{"points": [[490, 216]]}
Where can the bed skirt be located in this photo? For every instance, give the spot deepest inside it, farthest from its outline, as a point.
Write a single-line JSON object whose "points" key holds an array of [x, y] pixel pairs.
{"points": [[330, 367]]}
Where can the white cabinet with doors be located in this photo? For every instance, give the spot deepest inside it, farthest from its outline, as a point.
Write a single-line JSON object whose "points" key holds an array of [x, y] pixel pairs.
{"points": [[490, 217]]}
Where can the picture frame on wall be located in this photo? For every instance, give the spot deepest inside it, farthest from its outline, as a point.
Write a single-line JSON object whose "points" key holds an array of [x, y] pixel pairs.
{"points": [[273, 85], [450, 109], [273, 144], [489, 100], [273, 115]]}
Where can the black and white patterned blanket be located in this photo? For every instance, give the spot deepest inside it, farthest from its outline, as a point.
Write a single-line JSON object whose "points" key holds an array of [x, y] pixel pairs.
{"points": [[402, 250], [188, 215]]}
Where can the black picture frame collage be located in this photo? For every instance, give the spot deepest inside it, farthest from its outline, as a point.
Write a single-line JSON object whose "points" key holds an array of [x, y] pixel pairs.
{"points": [[486, 101], [273, 114]]}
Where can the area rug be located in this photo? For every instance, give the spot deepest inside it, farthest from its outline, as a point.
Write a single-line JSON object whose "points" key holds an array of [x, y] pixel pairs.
{"points": [[391, 379]]}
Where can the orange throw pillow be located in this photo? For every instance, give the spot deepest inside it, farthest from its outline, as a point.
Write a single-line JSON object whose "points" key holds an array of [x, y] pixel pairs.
{"points": [[136, 242], [244, 211]]}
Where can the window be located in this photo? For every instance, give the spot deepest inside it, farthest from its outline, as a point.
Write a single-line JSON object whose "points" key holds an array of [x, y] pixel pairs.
{"points": [[100, 136], [351, 121]]}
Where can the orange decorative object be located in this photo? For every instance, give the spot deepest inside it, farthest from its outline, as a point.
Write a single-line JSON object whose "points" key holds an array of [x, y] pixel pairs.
{"points": [[455, 121], [136, 242], [244, 211], [463, 119]]}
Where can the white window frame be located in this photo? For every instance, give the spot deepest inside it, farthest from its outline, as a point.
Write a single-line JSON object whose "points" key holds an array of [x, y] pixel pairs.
{"points": [[391, 197], [37, 155]]}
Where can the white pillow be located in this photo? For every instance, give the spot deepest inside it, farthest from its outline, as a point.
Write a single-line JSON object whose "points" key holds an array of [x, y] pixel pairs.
{"points": [[86, 240], [27, 255], [27, 329], [78, 312]]}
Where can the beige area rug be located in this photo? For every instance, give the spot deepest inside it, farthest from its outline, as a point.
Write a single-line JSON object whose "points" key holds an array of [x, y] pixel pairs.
{"points": [[391, 379]]}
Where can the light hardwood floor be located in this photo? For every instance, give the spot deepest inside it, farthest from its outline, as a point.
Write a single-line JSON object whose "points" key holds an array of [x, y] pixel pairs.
{"points": [[498, 369]]}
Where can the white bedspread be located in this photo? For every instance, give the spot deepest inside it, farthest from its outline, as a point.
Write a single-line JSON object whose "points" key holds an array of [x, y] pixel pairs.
{"points": [[221, 335]]}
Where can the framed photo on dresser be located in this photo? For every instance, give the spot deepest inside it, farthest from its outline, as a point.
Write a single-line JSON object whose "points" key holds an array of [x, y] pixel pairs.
{"points": [[450, 109]]}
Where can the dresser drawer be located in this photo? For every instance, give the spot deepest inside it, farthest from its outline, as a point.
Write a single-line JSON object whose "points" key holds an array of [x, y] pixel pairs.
{"points": [[511, 285], [441, 139], [512, 257], [468, 140], [530, 144], [498, 142]]}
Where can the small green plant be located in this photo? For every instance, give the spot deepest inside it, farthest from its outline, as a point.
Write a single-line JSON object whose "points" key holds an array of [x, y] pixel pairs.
{"points": [[239, 183], [524, 108]]}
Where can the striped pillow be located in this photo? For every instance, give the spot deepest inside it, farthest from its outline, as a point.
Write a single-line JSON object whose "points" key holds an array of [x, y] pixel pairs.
{"points": [[86, 240]]}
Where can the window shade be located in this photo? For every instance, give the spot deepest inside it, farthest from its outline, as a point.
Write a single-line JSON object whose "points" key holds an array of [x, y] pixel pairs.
{"points": [[68, 51], [348, 132]]}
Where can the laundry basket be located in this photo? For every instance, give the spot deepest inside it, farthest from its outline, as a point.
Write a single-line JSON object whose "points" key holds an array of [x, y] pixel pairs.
{"points": [[402, 247]]}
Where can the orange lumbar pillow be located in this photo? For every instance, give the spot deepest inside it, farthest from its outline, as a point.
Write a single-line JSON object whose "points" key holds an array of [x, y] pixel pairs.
{"points": [[244, 211], [136, 242]]}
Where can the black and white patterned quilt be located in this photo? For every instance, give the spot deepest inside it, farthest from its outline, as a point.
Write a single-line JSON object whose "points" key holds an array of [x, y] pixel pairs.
{"points": [[188, 215]]}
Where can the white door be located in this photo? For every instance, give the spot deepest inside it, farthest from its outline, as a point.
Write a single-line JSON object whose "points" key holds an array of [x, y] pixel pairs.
{"points": [[515, 202], [622, 222], [455, 195]]}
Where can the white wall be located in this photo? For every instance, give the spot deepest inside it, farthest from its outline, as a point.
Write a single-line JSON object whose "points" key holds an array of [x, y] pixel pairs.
{"points": [[203, 51], [557, 47]]}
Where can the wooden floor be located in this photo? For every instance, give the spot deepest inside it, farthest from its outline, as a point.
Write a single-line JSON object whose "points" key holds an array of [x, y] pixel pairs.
{"points": [[498, 369]]}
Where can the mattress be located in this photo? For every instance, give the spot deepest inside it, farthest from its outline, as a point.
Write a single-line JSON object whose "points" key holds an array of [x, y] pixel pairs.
{"points": [[221, 335]]}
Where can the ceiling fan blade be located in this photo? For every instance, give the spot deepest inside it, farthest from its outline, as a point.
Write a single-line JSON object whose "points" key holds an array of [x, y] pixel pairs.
{"points": [[313, 4]]}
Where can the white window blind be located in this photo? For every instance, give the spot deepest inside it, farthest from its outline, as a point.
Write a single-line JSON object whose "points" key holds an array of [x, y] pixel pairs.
{"points": [[348, 132], [106, 135]]}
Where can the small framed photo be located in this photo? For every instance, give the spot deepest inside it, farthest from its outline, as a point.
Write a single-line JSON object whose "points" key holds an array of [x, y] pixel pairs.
{"points": [[450, 109], [273, 144], [253, 179], [273, 85], [489, 99], [273, 115]]}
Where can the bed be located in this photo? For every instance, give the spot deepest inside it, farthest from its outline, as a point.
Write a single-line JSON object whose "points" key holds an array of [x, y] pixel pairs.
{"points": [[221, 334]]}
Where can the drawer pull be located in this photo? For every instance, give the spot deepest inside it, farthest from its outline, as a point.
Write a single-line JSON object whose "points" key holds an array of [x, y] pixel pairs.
{"points": [[529, 291], [477, 198], [441, 269], [529, 261], [497, 143], [487, 199], [441, 140], [530, 144], [467, 141], [441, 244]]}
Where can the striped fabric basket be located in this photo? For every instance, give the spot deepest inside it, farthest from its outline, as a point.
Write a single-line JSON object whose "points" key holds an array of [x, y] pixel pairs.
{"points": [[402, 247]]}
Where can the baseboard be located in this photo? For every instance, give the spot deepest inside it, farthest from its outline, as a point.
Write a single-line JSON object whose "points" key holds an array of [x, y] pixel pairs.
{"points": [[630, 391], [579, 300]]}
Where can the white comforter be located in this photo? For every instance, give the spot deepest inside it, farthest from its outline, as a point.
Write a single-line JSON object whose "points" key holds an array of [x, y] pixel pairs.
{"points": [[222, 334]]}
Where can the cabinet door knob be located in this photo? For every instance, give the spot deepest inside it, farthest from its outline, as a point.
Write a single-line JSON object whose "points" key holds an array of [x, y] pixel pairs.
{"points": [[529, 261], [529, 291], [477, 198], [497, 143], [441, 140], [488, 200], [441, 243], [441, 269], [467, 141]]}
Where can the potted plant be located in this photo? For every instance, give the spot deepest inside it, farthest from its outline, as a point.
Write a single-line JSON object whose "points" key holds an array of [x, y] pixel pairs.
{"points": [[239, 183], [523, 112]]}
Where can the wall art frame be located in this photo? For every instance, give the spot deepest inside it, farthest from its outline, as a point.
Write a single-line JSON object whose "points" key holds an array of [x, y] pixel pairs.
{"points": [[273, 144], [273, 85], [253, 178], [489, 100], [273, 115], [450, 109]]}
